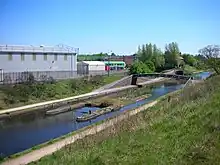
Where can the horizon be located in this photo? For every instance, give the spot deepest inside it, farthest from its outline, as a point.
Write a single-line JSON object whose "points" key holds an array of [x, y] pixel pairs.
{"points": [[105, 26]]}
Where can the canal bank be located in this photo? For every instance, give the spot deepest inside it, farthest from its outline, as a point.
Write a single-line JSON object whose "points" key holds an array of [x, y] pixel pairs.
{"points": [[34, 130], [93, 129], [57, 103], [178, 131], [29, 132], [47, 149]]}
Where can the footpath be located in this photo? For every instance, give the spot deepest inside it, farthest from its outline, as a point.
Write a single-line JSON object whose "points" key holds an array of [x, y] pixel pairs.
{"points": [[49, 149]]}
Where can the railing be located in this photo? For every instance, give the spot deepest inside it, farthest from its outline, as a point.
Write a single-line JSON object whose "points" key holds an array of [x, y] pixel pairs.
{"points": [[34, 49], [161, 75], [42, 76], [135, 76]]}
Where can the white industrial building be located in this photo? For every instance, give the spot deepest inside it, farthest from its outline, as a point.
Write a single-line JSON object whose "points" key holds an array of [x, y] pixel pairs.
{"points": [[57, 61], [90, 67]]}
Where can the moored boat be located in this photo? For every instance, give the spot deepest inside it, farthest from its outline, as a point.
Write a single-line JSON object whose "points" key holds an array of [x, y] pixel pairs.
{"points": [[95, 114]]}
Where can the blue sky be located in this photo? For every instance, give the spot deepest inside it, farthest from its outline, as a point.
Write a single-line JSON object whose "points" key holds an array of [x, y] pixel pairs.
{"points": [[110, 25]]}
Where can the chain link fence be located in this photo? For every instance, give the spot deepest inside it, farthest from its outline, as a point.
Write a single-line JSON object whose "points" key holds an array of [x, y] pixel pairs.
{"points": [[27, 76]]}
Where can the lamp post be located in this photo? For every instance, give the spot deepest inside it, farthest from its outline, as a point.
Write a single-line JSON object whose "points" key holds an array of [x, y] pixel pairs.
{"points": [[109, 63], [108, 66]]}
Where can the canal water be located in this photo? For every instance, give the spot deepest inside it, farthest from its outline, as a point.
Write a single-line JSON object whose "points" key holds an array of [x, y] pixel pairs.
{"points": [[202, 75], [23, 133]]}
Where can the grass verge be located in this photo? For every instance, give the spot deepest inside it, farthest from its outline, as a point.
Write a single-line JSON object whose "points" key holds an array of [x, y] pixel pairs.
{"points": [[183, 130], [23, 94], [191, 70]]}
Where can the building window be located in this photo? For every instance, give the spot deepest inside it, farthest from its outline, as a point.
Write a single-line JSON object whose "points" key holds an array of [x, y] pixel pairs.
{"points": [[22, 56], [9, 57], [55, 57], [34, 57], [65, 57], [45, 56]]}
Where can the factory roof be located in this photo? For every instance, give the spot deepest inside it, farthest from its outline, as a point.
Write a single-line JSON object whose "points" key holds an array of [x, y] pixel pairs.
{"points": [[36, 49]]}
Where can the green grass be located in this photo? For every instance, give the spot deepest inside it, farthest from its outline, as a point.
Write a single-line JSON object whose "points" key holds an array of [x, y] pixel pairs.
{"points": [[22, 94], [185, 130], [111, 78], [118, 98], [190, 70]]}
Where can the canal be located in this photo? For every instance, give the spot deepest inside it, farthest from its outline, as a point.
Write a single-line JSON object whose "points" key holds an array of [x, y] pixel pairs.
{"points": [[25, 132]]}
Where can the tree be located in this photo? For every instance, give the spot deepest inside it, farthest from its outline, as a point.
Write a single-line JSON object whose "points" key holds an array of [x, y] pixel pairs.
{"points": [[142, 54], [172, 55], [113, 54], [158, 58], [150, 53], [150, 65], [212, 54], [189, 59], [145, 53], [139, 67]]}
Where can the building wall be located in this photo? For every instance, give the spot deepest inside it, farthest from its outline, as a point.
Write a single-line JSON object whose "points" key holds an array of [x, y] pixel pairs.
{"points": [[82, 68], [29, 64], [97, 67], [90, 68], [127, 59]]}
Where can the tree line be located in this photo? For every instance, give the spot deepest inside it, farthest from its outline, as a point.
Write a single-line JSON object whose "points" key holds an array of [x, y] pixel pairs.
{"points": [[150, 58], [95, 57]]}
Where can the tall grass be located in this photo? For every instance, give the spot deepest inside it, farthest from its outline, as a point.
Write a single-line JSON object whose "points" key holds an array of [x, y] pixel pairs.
{"points": [[181, 130]]}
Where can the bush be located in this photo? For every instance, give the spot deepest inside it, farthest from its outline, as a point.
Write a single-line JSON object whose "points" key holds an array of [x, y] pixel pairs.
{"points": [[140, 67], [75, 85], [96, 80], [26, 77], [151, 66], [37, 90]]}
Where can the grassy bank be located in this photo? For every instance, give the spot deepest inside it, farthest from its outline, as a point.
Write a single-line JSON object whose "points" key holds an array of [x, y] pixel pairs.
{"points": [[124, 98], [21, 94], [184, 130], [190, 70]]}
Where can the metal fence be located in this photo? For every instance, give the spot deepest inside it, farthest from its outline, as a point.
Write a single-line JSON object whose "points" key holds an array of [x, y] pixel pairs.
{"points": [[21, 77]]}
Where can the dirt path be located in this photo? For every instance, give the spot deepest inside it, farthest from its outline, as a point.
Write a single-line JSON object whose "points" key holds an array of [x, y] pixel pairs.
{"points": [[48, 150]]}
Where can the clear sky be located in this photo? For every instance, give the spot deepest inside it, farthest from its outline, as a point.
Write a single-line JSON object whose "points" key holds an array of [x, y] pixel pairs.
{"points": [[110, 25]]}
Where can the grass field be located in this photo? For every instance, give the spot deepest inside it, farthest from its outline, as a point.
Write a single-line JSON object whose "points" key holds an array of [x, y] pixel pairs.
{"points": [[185, 130]]}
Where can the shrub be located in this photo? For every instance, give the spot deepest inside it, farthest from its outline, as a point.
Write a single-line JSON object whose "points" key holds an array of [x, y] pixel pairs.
{"points": [[96, 80], [140, 67], [151, 66], [26, 77], [75, 85]]}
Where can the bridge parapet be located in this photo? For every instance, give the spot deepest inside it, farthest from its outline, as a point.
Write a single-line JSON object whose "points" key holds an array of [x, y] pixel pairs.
{"points": [[135, 76]]}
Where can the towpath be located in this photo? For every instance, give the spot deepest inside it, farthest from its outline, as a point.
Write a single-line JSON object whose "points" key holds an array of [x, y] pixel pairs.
{"points": [[75, 98], [49, 149]]}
